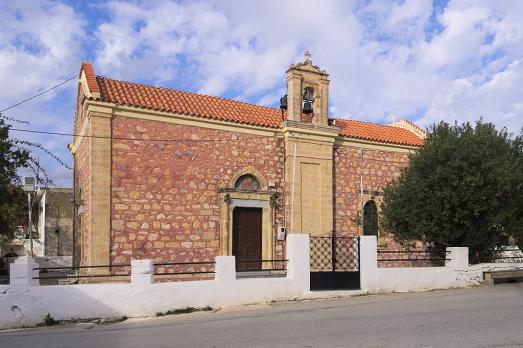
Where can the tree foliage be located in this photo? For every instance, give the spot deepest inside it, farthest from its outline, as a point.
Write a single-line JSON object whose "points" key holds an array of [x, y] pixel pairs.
{"points": [[464, 187], [12, 203], [15, 154]]}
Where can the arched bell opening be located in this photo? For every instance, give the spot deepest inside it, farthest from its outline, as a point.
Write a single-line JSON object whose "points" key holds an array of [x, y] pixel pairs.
{"points": [[308, 100]]}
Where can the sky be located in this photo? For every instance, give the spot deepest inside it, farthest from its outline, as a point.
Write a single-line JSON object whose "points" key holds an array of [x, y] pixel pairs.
{"points": [[421, 60]]}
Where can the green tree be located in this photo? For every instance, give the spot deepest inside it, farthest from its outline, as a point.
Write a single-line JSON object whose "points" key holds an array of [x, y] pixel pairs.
{"points": [[12, 202], [16, 154], [464, 187]]}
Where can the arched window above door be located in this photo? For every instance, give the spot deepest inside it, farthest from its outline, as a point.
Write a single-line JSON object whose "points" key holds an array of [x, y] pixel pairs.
{"points": [[247, 182], [370, 219]]}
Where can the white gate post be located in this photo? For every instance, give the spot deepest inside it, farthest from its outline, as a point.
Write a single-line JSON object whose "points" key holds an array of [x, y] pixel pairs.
{"points": [[459, 258], [368, 263], [298, 266], [225, 269], [142, 272], [21, 273]]}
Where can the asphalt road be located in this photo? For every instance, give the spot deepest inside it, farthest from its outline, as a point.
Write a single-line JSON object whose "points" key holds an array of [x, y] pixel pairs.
{"points": [[476, 317]]}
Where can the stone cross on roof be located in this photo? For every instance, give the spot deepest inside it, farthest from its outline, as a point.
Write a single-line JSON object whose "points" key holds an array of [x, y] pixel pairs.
{"points": [[308, 56]]}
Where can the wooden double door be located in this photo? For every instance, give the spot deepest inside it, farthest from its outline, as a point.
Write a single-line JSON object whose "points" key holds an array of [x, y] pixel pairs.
{"points": [[247, 238]]}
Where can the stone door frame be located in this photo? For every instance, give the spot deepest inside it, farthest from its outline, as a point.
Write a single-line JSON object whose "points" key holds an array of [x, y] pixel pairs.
{"points": [[229, 199]]}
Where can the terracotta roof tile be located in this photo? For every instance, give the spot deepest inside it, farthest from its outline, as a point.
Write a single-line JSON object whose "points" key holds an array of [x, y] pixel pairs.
{"points": [[198, 105], [89, 75], [377, 132], [175, 101]]}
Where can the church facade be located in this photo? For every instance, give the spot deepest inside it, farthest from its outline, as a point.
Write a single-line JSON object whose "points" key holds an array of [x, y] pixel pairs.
{"points": [[175, 176]]}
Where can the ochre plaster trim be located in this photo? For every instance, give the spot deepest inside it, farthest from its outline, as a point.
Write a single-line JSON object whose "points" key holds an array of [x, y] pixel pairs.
{"points": [[341, 141], [99, 193], [290, 130]]}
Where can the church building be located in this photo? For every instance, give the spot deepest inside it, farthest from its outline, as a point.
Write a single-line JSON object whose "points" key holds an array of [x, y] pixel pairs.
{"points": [[176, 176]]}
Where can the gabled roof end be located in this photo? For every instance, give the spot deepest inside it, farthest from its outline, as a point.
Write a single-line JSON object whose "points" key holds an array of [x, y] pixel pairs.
{"points": [[405, 124], [88, 80]]}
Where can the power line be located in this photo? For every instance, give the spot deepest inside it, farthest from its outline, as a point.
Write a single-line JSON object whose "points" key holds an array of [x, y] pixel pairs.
{"points": [[39, 94], [138, 139], [176, 140]]}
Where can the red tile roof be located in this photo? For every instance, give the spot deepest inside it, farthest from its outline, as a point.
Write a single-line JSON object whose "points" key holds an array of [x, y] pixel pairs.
{"points": [[89, 75], [377, 132], [199, 105], [171, 100]]}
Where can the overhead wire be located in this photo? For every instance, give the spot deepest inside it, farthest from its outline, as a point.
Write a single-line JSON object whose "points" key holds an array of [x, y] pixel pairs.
{"points": [[239, 138], [40, 93]]}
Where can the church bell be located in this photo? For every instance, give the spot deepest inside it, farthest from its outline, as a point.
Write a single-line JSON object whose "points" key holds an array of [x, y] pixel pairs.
{"points": [[307, 107], [283, 102]]}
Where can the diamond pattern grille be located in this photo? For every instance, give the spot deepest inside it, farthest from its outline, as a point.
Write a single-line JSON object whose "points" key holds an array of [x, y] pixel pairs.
{"points": [[344, 249]]}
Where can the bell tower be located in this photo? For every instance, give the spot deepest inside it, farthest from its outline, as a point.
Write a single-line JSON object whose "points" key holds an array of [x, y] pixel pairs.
{"points": [[308, 150], [308, 92]]}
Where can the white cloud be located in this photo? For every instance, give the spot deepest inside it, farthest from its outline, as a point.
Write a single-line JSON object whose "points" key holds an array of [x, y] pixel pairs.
{"points": [[385, 58], [497, 100], [381, 58], [40, 46], [40, 43]]}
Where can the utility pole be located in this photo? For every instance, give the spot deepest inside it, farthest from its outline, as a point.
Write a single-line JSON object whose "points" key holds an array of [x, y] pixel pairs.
{"points": [[30, 224], [361, 192], [29, 187]]}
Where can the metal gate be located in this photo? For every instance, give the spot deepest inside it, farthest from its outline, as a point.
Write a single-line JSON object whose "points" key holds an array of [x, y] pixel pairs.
{"points": [[335, 263]]}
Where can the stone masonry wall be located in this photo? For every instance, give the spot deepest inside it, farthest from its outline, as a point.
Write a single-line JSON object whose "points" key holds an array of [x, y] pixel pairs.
{"points": [[165, 203], [379, 168], [82, 158]]}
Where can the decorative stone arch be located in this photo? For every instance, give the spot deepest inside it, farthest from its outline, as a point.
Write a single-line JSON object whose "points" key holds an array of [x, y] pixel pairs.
{"points": [[230, 198], [249, 170]]}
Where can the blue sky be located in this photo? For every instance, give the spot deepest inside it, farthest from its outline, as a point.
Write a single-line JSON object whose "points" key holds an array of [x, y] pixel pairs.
{"points": [[424, 61]]}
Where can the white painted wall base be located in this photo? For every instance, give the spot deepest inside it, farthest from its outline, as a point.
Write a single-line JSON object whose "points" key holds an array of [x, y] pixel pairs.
{"points": [[378, 280], [25, 303]]}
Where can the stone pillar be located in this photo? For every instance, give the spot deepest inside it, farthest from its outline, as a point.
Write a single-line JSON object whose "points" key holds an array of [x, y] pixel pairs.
{"points": [[225, 269], [459, 258], [298, 266], [100, 191], [324, 102], [368, 263], [142, 272], [294, 97], [21, 273]]}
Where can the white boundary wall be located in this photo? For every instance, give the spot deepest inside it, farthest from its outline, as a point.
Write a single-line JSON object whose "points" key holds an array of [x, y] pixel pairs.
{"points": [[24, 303], [376, 280]]}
